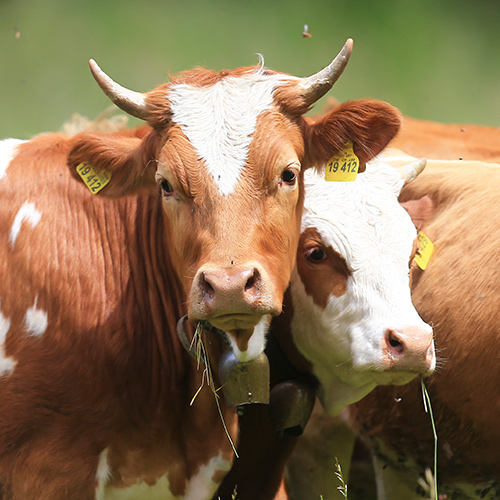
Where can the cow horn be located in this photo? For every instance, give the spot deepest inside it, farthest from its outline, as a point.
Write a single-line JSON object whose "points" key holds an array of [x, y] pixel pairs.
{"points": [[411, 170], [133, 103], [318, 85]]}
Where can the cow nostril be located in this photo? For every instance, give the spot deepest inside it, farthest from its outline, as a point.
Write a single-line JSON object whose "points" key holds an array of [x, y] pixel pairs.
{"points": [[394, 342], [253, 282], [206, 286]]}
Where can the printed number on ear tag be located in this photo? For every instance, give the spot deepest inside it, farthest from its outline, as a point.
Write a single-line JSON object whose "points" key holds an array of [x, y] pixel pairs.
{"points": [[95, 178], [343, 166], [424, 252]]}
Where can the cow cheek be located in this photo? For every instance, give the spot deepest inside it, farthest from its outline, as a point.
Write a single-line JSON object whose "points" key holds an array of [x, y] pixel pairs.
{"points": [[184, 241], [321, 281]]}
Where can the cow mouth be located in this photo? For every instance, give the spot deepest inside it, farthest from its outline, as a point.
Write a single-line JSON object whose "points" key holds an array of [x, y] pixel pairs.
{"points": [[236, 322]]}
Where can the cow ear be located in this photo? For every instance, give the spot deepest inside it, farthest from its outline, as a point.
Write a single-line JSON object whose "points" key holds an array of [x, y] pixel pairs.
{"points": [[367, 123], [421, 210], [113, 165]]}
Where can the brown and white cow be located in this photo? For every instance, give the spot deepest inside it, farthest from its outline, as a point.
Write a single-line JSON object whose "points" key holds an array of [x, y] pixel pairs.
{"points": [[199, 215], [458, 294]]}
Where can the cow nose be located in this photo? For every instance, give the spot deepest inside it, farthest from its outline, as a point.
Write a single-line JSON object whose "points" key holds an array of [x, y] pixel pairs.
{"points": [[225, 293], [226, 287], [410, 349], [234, 297]]}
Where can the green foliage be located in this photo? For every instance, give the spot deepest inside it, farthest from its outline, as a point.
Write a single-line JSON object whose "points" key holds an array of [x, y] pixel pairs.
{"points": [[433, 59]]}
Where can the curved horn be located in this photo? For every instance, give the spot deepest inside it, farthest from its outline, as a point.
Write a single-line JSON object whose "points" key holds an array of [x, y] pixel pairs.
{"points": [[131, 102], [318, 85], [410, 171]]}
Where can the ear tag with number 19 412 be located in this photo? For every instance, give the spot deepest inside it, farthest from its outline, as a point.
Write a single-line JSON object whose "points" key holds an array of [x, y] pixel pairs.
{"points": [[343, 166], [94, 178]]}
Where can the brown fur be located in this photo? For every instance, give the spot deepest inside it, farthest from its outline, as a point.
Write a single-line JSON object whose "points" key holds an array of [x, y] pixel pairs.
{"points": [[324, 279]]}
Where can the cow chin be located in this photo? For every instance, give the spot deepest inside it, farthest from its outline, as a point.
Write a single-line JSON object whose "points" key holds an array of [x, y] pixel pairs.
{"points": [[238, 323], [249, 343], [393, 378]]}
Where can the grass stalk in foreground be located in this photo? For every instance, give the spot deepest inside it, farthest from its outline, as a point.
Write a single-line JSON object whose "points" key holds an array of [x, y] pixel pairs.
{"points": [[202, 357], [428, 409], [338, 472]]}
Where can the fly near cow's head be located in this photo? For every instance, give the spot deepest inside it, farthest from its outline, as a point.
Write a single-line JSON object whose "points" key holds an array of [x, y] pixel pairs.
{"points": [[226, 153]]}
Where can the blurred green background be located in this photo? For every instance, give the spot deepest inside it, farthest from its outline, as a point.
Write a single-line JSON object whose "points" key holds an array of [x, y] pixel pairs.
{"points": [[437, 60]]}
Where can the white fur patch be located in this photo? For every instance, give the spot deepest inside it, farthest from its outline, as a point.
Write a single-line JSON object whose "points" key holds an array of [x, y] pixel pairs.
{"points": [[8, 149], [219, 121], [102, 476], [199, 487], [202, 485], [6, 364], [27, 213], [35, 321]]}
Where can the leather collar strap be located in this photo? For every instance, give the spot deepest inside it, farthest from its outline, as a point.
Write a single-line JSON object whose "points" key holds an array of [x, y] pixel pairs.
{"points": [[188, 344]]}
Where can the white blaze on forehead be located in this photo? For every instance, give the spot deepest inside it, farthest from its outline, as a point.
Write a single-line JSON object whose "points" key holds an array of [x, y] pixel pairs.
{"points": [[362, 219], [35, 321], [27, 213], [6, 364], [219, 120], [8, 149]]}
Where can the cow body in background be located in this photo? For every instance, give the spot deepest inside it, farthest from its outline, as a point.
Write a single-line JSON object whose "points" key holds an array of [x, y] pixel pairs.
{"points": [[198, 215], [446, 141]]}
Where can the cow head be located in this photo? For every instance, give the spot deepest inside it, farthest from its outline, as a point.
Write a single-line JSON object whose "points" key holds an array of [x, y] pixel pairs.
{"points": [[354, 320], [226, 153]]}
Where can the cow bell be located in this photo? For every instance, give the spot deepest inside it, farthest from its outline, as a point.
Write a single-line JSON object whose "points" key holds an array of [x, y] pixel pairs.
{"points": [[244, 382], [291, 405]]}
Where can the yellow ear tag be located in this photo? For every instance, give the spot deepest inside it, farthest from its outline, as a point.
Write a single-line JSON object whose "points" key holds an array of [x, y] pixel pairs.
{"points": [[343, 166], [95, 178], [424, 252]]}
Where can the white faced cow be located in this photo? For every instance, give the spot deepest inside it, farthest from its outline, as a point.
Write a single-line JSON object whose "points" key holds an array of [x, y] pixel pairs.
{"points": [[351, 317], [199, 214]]}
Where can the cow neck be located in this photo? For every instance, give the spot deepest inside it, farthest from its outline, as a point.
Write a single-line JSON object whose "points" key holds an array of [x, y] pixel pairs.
{"points": [[155, 295], [287, 363]]}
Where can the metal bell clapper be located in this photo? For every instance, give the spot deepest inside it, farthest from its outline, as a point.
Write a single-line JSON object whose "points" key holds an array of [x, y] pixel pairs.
{"points": [[291, 406], [244, 382]]}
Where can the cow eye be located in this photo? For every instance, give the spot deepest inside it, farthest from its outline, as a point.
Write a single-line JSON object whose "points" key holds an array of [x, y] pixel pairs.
{"points": [[316, 254], [288, 176], [164, 187]]}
